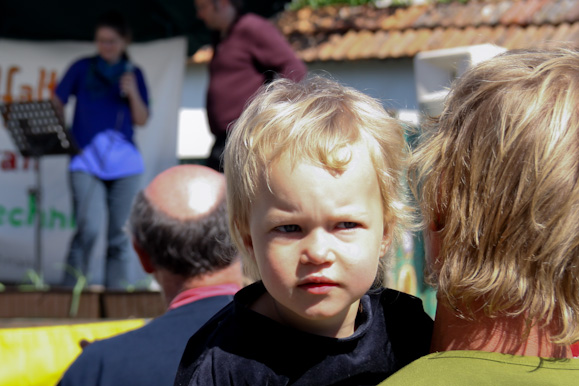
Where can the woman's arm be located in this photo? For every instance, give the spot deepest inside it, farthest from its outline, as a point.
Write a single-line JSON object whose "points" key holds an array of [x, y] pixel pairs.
{"points": [[139, 110]]}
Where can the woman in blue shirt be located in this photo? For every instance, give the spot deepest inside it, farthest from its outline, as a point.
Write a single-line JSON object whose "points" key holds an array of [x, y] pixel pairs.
{"points": [[111, 97]]}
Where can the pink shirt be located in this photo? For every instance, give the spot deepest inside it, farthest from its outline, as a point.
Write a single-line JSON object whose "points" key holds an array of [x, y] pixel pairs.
{"points": [[194, 294]]}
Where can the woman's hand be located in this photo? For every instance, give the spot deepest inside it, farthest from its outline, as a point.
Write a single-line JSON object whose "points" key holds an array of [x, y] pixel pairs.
{"points": [[128, 85]]}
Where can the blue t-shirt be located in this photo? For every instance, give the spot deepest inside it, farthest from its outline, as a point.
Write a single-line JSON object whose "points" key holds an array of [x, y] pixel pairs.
{"points": [[102, 124]]}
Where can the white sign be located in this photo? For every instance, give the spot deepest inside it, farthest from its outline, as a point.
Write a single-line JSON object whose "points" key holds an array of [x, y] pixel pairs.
{"points": [[29, 71]]}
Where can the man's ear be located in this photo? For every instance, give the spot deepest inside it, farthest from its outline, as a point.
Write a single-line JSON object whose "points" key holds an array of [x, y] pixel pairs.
{"points": [[144, 258]]}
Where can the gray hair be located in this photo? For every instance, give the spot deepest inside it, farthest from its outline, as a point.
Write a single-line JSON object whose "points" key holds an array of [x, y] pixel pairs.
{"points": [[185, 247]]}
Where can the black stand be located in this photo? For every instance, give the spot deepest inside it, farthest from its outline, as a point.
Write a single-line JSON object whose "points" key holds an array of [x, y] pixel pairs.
{"points": [[37, 130]]}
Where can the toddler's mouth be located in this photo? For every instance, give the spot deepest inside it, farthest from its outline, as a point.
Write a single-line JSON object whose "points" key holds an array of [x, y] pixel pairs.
{"points": [[318, 285]]}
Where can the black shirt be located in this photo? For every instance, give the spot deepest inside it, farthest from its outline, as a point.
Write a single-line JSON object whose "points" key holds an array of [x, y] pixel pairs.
{"points": [[242, 347]]}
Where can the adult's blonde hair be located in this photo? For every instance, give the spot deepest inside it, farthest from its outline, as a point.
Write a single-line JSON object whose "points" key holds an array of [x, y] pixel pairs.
{"points": [[498, 175], [312, 121]]}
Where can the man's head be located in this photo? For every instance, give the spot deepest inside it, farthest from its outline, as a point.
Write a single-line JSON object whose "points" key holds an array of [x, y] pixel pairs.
{"points": [[179, 221], [318, 122], [218, 14], [499, 182]]}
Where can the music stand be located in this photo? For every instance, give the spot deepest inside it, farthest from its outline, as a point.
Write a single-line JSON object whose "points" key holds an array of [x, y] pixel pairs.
{"points": [[37, 130]]}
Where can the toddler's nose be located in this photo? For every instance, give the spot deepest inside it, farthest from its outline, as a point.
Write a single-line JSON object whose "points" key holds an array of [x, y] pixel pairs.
{"points": [[317, 248]]}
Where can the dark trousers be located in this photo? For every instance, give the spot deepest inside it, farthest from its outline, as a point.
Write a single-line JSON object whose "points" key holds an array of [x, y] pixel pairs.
{"points": [[93, 199]]}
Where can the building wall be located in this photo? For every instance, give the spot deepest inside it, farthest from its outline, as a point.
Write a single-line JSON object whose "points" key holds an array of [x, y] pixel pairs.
{"points": [[391, 81]]}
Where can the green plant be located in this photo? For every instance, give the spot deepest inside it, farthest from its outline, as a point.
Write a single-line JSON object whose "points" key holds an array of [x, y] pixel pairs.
{"points": [[36, 282], [79, 286], [76, 294]]}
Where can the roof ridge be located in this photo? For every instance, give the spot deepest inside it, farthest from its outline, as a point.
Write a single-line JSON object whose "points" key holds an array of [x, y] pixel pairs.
{"points": [[343, 33]]}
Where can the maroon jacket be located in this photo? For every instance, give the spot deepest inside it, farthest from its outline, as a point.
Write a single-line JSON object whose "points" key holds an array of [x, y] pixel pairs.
{"points": [[251, 54]]}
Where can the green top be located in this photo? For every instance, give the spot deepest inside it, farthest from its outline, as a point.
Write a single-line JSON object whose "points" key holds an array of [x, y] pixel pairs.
{"points": [[486, 368]]}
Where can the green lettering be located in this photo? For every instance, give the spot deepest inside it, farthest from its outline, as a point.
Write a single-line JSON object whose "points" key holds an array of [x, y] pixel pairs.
{"points": [[49, 219], [57, 216], [12, 217], [31, 209]]}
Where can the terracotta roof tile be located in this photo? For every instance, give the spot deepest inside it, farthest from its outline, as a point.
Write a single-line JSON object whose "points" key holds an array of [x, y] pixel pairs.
{"points": [[452, 14], [372, 47], [522, 37], [510, 14], [424, 20], [399, 49], [469, 34], [527, 10], [504, 38], [326, 49], [573, 12], [364, 32], [544, 33], [438, 15], [551, 11], [391, 20], [393, 39], [573, 36], [436, 39], [490, 13], [359, 50], [343, 46], [408, 19], [482, 35], [561, 32], [422, 36], [469, 16], [452, 37]]}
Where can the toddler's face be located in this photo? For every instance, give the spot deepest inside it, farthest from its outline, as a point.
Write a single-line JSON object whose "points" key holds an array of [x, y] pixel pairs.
{"points": [[316, 239]]}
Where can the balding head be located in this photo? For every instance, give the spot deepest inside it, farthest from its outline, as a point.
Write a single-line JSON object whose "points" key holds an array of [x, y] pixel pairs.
{"points": [[186, 192], [180, 221]]}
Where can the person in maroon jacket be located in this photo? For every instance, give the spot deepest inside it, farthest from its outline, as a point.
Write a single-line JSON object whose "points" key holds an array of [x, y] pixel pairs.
{"points": [[248, 51]]}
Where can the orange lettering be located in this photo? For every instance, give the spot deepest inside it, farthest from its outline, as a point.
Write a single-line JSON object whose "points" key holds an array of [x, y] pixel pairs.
{"points": [[43, 84], [26, 93], [9, 78]]}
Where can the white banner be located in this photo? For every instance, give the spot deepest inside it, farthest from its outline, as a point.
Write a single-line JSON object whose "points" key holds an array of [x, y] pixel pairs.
{"points": [[29, 71]]}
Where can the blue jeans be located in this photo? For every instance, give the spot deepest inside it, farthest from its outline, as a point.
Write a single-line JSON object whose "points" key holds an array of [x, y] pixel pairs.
{"points": [[92, 198]]}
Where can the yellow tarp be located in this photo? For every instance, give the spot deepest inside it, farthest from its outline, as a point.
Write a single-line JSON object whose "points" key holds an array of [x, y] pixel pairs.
{"points": [[38, 356]]}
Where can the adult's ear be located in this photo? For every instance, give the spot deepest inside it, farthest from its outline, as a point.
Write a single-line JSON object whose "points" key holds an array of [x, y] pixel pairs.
{"points": [[144, 258]]}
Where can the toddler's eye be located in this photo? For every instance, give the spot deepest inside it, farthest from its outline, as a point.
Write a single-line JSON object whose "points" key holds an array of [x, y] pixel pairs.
{"points": [[347, 225], [288, 228]]}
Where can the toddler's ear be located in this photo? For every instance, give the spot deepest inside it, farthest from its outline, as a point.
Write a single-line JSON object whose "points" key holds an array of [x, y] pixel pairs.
{"points": [[248, 243], [385, 243]]}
